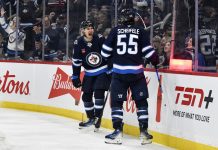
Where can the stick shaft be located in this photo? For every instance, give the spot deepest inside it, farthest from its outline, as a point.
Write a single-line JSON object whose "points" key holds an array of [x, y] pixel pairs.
{"points": [[158, 77]]}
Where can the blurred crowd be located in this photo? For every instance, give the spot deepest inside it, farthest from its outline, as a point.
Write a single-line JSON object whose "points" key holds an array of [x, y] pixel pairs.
{"points": [[42, 28], [40, 31]]}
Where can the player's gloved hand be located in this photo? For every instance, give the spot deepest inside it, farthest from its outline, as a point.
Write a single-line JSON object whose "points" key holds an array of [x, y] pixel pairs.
{"points": [[76, 82], [109, 73], [154, 59]]}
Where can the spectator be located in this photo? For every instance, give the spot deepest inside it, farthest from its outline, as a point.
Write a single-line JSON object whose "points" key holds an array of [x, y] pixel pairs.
{"points": [[28, 17], [62, 30], [165, 57], [15, 45], [50, 41], [93, 14], [208, 28], [207, 36], [157, 44], [52, 16], [156, 41], [189, 54], [77, 8]]}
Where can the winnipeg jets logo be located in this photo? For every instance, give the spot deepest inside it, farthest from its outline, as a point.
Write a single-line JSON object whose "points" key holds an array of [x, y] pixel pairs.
{"points": [[93, 59], [11, 38]]}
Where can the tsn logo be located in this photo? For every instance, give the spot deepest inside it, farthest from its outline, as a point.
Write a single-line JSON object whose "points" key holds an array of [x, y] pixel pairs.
{"points": [[188, 96]]}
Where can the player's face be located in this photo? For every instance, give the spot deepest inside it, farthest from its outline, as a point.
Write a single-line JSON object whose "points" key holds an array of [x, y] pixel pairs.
{"points": [[88, 32]]}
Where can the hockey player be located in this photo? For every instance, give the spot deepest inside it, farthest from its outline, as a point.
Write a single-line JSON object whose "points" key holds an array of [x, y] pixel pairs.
{"points": [[127, 44], [87, 53]]}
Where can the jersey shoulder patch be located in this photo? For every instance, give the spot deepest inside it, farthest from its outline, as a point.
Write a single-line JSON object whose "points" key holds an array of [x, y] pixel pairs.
{"points": [[100, 35], [75, 42]]}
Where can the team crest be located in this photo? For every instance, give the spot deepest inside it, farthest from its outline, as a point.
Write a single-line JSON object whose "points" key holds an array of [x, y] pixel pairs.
{"points": [[94, 59]]}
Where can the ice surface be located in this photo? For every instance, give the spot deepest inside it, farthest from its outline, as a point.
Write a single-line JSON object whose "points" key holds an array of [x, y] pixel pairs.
{"points": [[24, 130]]}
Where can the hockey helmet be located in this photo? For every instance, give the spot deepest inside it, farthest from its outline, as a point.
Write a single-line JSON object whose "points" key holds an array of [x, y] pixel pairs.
{"points": [[127, 16], [86, 24]]}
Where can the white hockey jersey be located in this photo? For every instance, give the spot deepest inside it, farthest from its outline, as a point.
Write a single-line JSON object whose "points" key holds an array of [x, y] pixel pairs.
{"points": [[12, 36]]}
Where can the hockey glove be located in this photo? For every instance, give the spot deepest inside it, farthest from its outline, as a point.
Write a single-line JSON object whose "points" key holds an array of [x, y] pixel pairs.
{"points": [[76, 82], [109, 74], [154, 59]]}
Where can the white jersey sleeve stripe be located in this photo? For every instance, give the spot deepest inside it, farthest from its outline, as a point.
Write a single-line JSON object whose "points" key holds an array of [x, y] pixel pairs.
{"points": [[104, 54], [146, 48], [149, 54], [107, 48], [77, 65], [74, 60]]}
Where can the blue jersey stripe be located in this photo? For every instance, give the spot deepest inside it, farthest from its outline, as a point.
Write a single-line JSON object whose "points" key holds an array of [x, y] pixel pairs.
{"points": [[128, 71], [96, 73]]}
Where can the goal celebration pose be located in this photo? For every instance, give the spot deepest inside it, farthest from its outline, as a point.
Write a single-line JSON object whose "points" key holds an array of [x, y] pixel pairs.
{"points": [[87, 53]]}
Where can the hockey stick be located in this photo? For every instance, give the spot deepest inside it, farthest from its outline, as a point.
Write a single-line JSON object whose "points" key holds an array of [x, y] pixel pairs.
{"points": [[105, 99], [141, 20], [98, 121], [158, 77], [159, 97], [108, 91]]}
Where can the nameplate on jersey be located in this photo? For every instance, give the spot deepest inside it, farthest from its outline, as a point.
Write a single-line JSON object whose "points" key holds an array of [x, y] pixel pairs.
{"points": [[128, 30]]}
